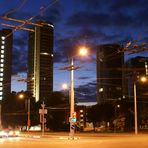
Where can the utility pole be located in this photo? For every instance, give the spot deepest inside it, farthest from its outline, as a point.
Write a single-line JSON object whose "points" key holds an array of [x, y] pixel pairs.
{"points": [[28, 113]]}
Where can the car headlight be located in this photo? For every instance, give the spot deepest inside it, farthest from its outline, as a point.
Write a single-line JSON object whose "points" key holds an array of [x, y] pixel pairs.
{"points": [[11, 133], [17, 133]]}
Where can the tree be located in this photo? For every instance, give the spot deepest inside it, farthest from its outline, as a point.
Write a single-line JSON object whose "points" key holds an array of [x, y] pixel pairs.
{"points": [[56, 105], [100, 112]]}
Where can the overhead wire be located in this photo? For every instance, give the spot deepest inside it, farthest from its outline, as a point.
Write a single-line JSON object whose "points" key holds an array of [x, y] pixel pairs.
{"points": [[16, 9], [31, 18]]}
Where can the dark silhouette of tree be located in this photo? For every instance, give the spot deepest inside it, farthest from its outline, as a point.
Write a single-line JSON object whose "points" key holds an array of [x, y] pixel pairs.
{"points": [[57, 109], [100, 112]]}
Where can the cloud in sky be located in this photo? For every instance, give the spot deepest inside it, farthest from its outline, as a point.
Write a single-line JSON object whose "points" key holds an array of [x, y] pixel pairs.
{"points": [[79, 22]]}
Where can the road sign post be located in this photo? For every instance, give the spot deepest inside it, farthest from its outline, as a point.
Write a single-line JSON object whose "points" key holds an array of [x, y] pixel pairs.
{"points": [[42, 113]]}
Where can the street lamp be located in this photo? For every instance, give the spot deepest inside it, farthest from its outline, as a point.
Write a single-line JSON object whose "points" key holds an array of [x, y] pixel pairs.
{"points": [[115, 121], [21, 96], [64, 86], [82, 52], [142, 79]]}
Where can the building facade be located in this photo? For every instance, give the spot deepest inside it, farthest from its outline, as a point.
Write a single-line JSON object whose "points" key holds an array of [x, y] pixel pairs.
{"points": [[109, 72], [40, 61], [136, 68], [6, 41]]}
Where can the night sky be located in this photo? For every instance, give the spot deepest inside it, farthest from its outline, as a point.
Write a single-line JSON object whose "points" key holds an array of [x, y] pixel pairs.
{"points": [[77, 23]]}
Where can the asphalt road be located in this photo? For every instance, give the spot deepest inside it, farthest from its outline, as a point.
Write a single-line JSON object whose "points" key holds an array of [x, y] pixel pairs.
{"points": [[82, 141]]}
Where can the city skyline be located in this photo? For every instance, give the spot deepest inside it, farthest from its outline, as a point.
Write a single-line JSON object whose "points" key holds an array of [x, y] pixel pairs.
{"points": [[77, 23]]}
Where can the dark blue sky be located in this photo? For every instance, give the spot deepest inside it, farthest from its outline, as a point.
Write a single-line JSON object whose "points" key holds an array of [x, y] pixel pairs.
{"points": [[76, 23]]}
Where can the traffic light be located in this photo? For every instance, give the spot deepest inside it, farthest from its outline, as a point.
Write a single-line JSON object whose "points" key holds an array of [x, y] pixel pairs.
{"points": [[74, 115]]}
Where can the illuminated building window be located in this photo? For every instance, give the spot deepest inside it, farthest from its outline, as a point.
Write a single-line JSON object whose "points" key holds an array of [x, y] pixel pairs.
{"points": [[0, 97], [2, 60], [1, 74], [1, 69], [2, 56], [1, 65], [2, 51], [1, 79], [1, 88], [1, 93], [101, 90], [2, 47], [3, 38], [3, 42]]}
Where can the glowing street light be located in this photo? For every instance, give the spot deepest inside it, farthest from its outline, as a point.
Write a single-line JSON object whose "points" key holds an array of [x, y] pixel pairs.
{"points": [[64, 86], [82, 52], [142, 79]]}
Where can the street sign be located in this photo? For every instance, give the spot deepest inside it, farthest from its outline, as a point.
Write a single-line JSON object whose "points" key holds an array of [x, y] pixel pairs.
{"points": [[73, 127], [42, 119], [73, 120], [42, 111]]}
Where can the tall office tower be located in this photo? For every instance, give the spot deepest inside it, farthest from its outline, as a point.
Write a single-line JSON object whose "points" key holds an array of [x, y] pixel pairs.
{"points": [[40, 61], [6, 39], [138, 67], [109, 72]]}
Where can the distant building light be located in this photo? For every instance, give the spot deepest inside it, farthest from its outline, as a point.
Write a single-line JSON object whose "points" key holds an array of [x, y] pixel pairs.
{"points": [[2, 47], [123, 97], [2, 51], [1, 74], [3, 42], [1, 65], [1, 79], [3, 38], [2, 56], [50, 25], [51, 55], [44, 53], [1, 69], [1, 93], [1, 88], [101, 90], [2, 60], [1, 98], [81, 111]]}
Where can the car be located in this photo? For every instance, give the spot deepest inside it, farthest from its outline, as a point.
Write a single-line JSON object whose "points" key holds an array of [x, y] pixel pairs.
{"points": [[9, 133], [13, 133]]}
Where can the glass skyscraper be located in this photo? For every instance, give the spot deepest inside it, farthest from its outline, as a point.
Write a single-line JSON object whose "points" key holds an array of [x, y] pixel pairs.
{"points": [[40, 61]]}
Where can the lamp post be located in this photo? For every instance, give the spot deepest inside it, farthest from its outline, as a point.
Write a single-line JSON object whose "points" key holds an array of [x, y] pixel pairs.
{"points": [[115, 121], [135, 108], [142, 79], [72, 126], [28, 114], [21, 96], [82, 52]]}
